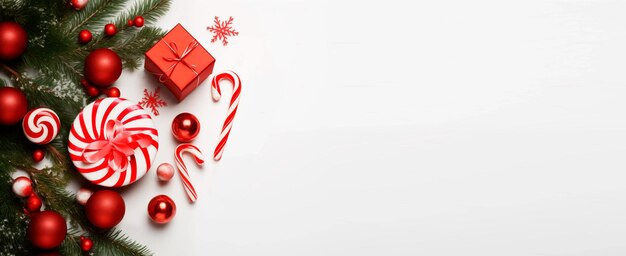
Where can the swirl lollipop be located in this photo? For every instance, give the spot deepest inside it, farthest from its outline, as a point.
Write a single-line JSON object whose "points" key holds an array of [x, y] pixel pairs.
{"points": [[41, 125]]}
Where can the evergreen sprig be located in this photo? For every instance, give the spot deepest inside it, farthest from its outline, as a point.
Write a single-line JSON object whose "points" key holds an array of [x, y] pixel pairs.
{"points": [[49, 74]]}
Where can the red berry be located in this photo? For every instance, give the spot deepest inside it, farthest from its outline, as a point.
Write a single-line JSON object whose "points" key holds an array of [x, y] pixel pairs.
{"points": [[84, 82], [110, 29], [138, 21], [130, 23], [92, 91], [113, 92], [84, 36], [38, 155]]}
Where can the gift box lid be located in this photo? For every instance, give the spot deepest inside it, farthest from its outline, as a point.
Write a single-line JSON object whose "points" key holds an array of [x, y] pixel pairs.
{"points": [[166, 53]]}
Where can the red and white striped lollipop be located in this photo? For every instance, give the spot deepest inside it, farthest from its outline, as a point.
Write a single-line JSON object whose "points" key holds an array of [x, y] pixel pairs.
{"points": [[113, 142], [41, 125]]}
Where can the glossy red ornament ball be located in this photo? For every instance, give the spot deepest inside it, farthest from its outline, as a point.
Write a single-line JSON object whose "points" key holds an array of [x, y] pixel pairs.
{"points": [[113, 92], [110, 29], [105, 209], [130, 23], [85, 243], [185, 127], [138, 21], [165, 172], [22, 186], [33, 203], [13, 105], [46, 229], [103, 67], [13, 40], [38, 155], [78, 4], [161, 209], [84, 36]]}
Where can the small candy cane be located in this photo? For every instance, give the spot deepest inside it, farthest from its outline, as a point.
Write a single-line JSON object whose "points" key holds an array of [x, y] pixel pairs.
{"points": [[234, 102], [182, 168]]}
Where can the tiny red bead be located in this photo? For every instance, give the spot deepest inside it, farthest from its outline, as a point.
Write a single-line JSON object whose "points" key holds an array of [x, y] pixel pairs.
{"points": [[84, 82], [84, 36], [110, 29], [130, 23], [113, 92], [33, 203], [138, 21], [85, 244], [92, 91], [38, 155]]}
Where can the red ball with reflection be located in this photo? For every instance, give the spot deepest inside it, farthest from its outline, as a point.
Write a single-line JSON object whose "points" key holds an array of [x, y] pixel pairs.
{"points": [[161, 209], [38, 155], [13, 105], [46, 229], [185, 127], [13, 40], [105, 209], [84, 36], [103, 67]]}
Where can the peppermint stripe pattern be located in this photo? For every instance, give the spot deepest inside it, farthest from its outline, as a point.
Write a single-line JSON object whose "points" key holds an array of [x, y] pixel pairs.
{"points": [[41, 125], [89, 126], [182, 168], [216, 93]]}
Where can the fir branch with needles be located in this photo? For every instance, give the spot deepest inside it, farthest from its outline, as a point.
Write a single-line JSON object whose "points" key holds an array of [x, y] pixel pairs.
{"points": [[49, 74]]}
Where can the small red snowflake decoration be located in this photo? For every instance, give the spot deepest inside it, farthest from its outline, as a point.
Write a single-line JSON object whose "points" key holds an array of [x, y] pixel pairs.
{"points": [[153, 101], [222, 30]]}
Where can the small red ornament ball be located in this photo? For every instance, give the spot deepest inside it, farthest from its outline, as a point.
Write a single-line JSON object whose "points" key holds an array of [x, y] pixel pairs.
{"points": [[84, 36], [46, 229], [138, 21], [185, 127], [22, 186], [110, 29], [130, 23], [13, 105], [33, 203], [38, 155], [103, 67], [78, 4], [13, 40], [85, 243], [113, 92], [161, 209], [165, 172], [105, 209]]}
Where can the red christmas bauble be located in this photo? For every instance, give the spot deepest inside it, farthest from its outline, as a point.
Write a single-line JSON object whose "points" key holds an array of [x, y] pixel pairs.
{"points": [[13, 105], [38, 155], [113, 92], [138, 21], [85, 243], [161, 209], [105, 209], [78, 4], [13, 40], [22, 186], [185, 127], [130, 23], [165, 172], [46, 229], [84, 36], [33, 203], [110, 29], [103, 67]]}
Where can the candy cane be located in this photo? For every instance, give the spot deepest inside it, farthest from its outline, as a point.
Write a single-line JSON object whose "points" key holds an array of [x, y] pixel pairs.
{"points": [[234, 102], [182, 168]]}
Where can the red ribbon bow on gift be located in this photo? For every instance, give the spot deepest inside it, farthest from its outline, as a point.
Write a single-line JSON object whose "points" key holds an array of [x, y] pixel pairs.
{"points": [[116, 146], [180, 58]]}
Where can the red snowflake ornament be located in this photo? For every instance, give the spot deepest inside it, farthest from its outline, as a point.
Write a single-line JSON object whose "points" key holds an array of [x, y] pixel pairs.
{"points": [[222, 30], [153, 100]]}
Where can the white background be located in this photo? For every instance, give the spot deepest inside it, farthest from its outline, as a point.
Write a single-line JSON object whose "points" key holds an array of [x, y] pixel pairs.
{"points": [[401, 128]]}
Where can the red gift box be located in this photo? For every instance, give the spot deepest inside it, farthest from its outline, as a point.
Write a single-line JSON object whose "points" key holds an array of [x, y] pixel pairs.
{"points": [[179, 62]]}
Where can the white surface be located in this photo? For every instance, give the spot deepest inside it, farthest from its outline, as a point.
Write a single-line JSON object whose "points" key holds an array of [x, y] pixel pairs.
{"points": [[388, 128]]}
